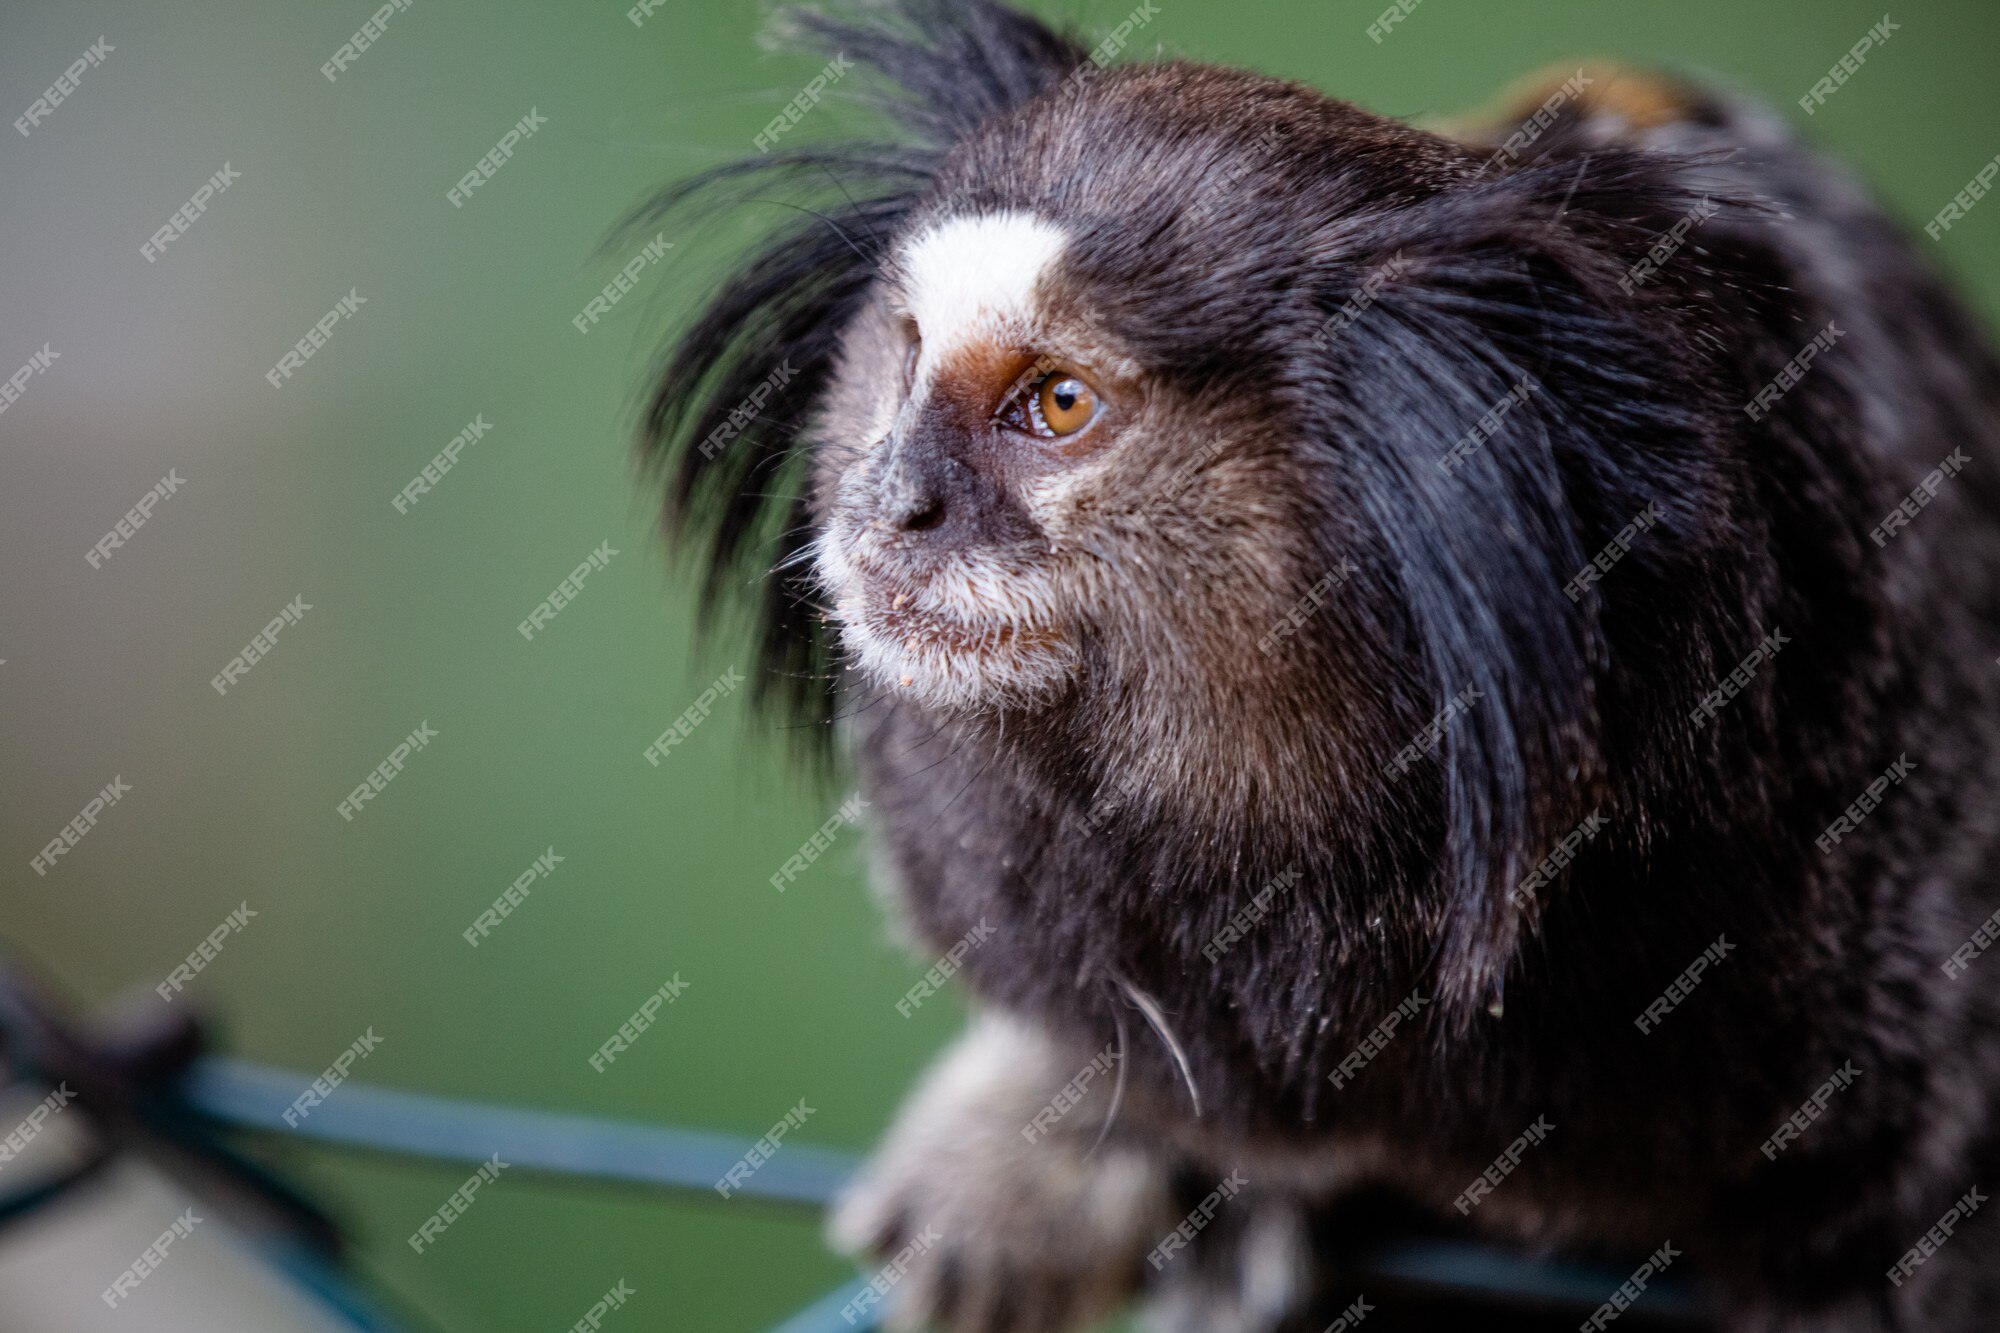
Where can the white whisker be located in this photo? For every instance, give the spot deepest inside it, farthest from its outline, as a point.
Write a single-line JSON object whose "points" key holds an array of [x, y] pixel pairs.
{"points": [[1151, 1009]]}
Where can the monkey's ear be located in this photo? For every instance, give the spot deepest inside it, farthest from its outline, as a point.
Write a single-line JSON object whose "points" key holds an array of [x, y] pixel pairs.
{"points": [[726, 427]]}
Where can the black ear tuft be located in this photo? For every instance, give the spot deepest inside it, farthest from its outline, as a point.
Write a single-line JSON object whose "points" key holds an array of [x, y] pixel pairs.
{"points": [[731, 403], [946, 66], [1602, 406]]}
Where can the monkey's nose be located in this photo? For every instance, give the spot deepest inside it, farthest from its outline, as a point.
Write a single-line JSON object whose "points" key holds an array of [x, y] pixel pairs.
{"points": [[916, 511], [914, 488], [924, 488]]}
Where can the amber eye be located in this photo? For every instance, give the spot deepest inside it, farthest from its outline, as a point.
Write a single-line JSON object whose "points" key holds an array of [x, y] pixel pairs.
{"points": [[1050, 403], [1065, 404]]}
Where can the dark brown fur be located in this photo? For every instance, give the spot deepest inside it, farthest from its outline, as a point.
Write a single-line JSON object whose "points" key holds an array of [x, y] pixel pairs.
{"points": [[1112, 830]]}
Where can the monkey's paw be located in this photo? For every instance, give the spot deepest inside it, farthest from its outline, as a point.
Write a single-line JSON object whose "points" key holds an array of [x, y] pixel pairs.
{"points": [[986, 1222]]}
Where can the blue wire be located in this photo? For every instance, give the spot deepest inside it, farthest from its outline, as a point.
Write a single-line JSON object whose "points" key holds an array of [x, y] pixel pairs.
{"points": [[255, 1096], [1480, 1270]]}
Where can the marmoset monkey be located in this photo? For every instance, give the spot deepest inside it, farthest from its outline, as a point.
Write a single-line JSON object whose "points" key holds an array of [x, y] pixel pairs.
{"points": [[1456, 663]]}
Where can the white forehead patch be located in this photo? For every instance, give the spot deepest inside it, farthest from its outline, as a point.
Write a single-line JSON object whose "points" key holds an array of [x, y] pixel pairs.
{"points": [[974, 277]]}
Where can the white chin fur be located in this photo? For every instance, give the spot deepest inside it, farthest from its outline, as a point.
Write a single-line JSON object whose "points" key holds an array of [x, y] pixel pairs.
{"points": [[969, 636]]}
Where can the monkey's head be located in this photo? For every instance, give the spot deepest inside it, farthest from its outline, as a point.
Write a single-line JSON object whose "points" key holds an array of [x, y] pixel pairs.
{"points": [[1221, 431]]}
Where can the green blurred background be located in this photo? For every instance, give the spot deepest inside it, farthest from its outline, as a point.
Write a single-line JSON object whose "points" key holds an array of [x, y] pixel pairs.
{"points": [[287, 493]]}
